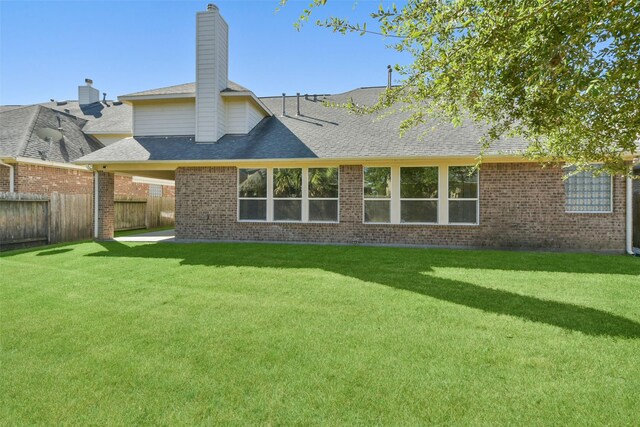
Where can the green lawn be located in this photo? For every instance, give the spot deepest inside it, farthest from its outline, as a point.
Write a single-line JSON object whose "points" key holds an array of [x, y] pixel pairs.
{"points": [[167, 334]]}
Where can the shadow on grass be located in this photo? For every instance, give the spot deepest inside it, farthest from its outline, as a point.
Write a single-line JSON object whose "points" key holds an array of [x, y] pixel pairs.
{"points": [[405, 269], [54, 252]]}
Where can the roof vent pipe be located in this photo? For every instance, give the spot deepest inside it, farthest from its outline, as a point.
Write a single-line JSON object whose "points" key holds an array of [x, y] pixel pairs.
{"points": [[389, 71], [298, 104], [104, 97], [283, 99]]}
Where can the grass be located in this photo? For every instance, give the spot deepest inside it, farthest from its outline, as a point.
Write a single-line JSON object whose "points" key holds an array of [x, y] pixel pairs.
{"points": [[123, 334]]}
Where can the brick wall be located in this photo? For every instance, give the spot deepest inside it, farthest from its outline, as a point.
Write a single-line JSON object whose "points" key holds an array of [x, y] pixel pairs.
{"points": [[521, 206], [40, 179], [124, 186], [4, 178], [106, 207], [168, 191]]}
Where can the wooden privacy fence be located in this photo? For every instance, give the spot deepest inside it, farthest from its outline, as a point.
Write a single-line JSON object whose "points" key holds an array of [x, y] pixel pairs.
{"points": [[153, 212], [32, 219]]}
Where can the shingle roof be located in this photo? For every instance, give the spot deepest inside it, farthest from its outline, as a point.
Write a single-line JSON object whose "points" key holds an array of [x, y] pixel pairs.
{"points": [[21, 135], [102, 117], [186, 89], [319, 132]]}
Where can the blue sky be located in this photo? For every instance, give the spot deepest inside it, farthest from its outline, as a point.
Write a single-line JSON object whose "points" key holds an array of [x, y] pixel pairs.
{"points": [[48, 48]]}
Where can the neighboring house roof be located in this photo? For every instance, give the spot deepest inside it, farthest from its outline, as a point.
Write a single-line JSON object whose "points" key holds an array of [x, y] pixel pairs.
{"points": [[103, 117], [319, 132], [42, 133]]}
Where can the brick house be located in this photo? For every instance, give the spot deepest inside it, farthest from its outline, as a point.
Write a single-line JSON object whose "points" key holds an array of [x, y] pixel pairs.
{"points": [[292, 169], [38, 144]]}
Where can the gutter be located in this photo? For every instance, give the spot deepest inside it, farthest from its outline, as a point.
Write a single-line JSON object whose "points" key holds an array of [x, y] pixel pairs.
{"points": [[629, 236], [12, 177]]}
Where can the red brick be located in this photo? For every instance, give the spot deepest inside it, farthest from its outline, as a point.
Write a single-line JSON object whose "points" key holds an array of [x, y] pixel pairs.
{"points": [[521, 206]]}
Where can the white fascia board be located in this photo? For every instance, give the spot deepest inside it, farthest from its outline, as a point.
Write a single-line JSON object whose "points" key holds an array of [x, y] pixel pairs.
{"points": [[334, 160], [129, 99], [37, 162], [156, 181], [109, 132]]}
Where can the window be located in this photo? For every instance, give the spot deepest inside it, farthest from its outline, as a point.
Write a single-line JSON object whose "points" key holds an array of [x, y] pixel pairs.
{"points": [[586, 192], [419, 194], [323, 194], [288, 194], [252, 194], [463, 195], [155, 190], [377, 195]]}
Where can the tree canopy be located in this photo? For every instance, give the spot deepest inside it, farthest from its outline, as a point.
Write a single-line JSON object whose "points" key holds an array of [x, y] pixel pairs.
{"points": [[563, 74]]}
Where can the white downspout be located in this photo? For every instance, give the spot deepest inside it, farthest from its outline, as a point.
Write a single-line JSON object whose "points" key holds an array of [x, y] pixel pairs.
{"points": [[629, 245], [11, 177], [95, 205]]}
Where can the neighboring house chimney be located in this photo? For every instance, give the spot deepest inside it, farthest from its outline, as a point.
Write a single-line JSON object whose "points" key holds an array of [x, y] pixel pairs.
{"points": [[87, 94], [212, 53]]}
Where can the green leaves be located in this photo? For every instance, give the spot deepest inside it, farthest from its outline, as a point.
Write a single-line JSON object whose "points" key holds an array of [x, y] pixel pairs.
{"points": [[563, 74]]}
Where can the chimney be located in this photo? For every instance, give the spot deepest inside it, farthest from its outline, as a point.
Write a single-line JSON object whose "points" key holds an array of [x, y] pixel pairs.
{"points": [[389, 71], [212, 52], [88, 94]]}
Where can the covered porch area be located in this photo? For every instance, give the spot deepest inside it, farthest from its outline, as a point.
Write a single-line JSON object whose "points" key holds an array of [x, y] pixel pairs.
{"points": [[104, 194]]}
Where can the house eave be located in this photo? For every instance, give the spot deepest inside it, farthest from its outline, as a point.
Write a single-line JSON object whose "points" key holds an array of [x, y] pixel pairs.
{"points": [[109, 132], [173, 164], [29, 161], [129, 99]]}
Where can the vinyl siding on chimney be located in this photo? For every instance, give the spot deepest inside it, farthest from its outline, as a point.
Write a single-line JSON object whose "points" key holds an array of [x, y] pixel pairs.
{"points": [[88, 95], [211, 75], [174, 118]]}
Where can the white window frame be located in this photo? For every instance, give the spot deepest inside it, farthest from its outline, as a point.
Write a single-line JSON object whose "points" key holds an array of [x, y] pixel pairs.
{"points": [[464, 199], [307, 199], [437, 199], [591, 212], [250, 198], [274, 199], [393, 213], [443, 195], [270, 199]]}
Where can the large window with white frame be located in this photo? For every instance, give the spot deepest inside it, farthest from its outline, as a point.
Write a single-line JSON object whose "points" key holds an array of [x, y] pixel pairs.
{"points": [[252, 194], [419, 195], [288, 194], [323, 194], [377, 194], [587, 192], [463, 195]]}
